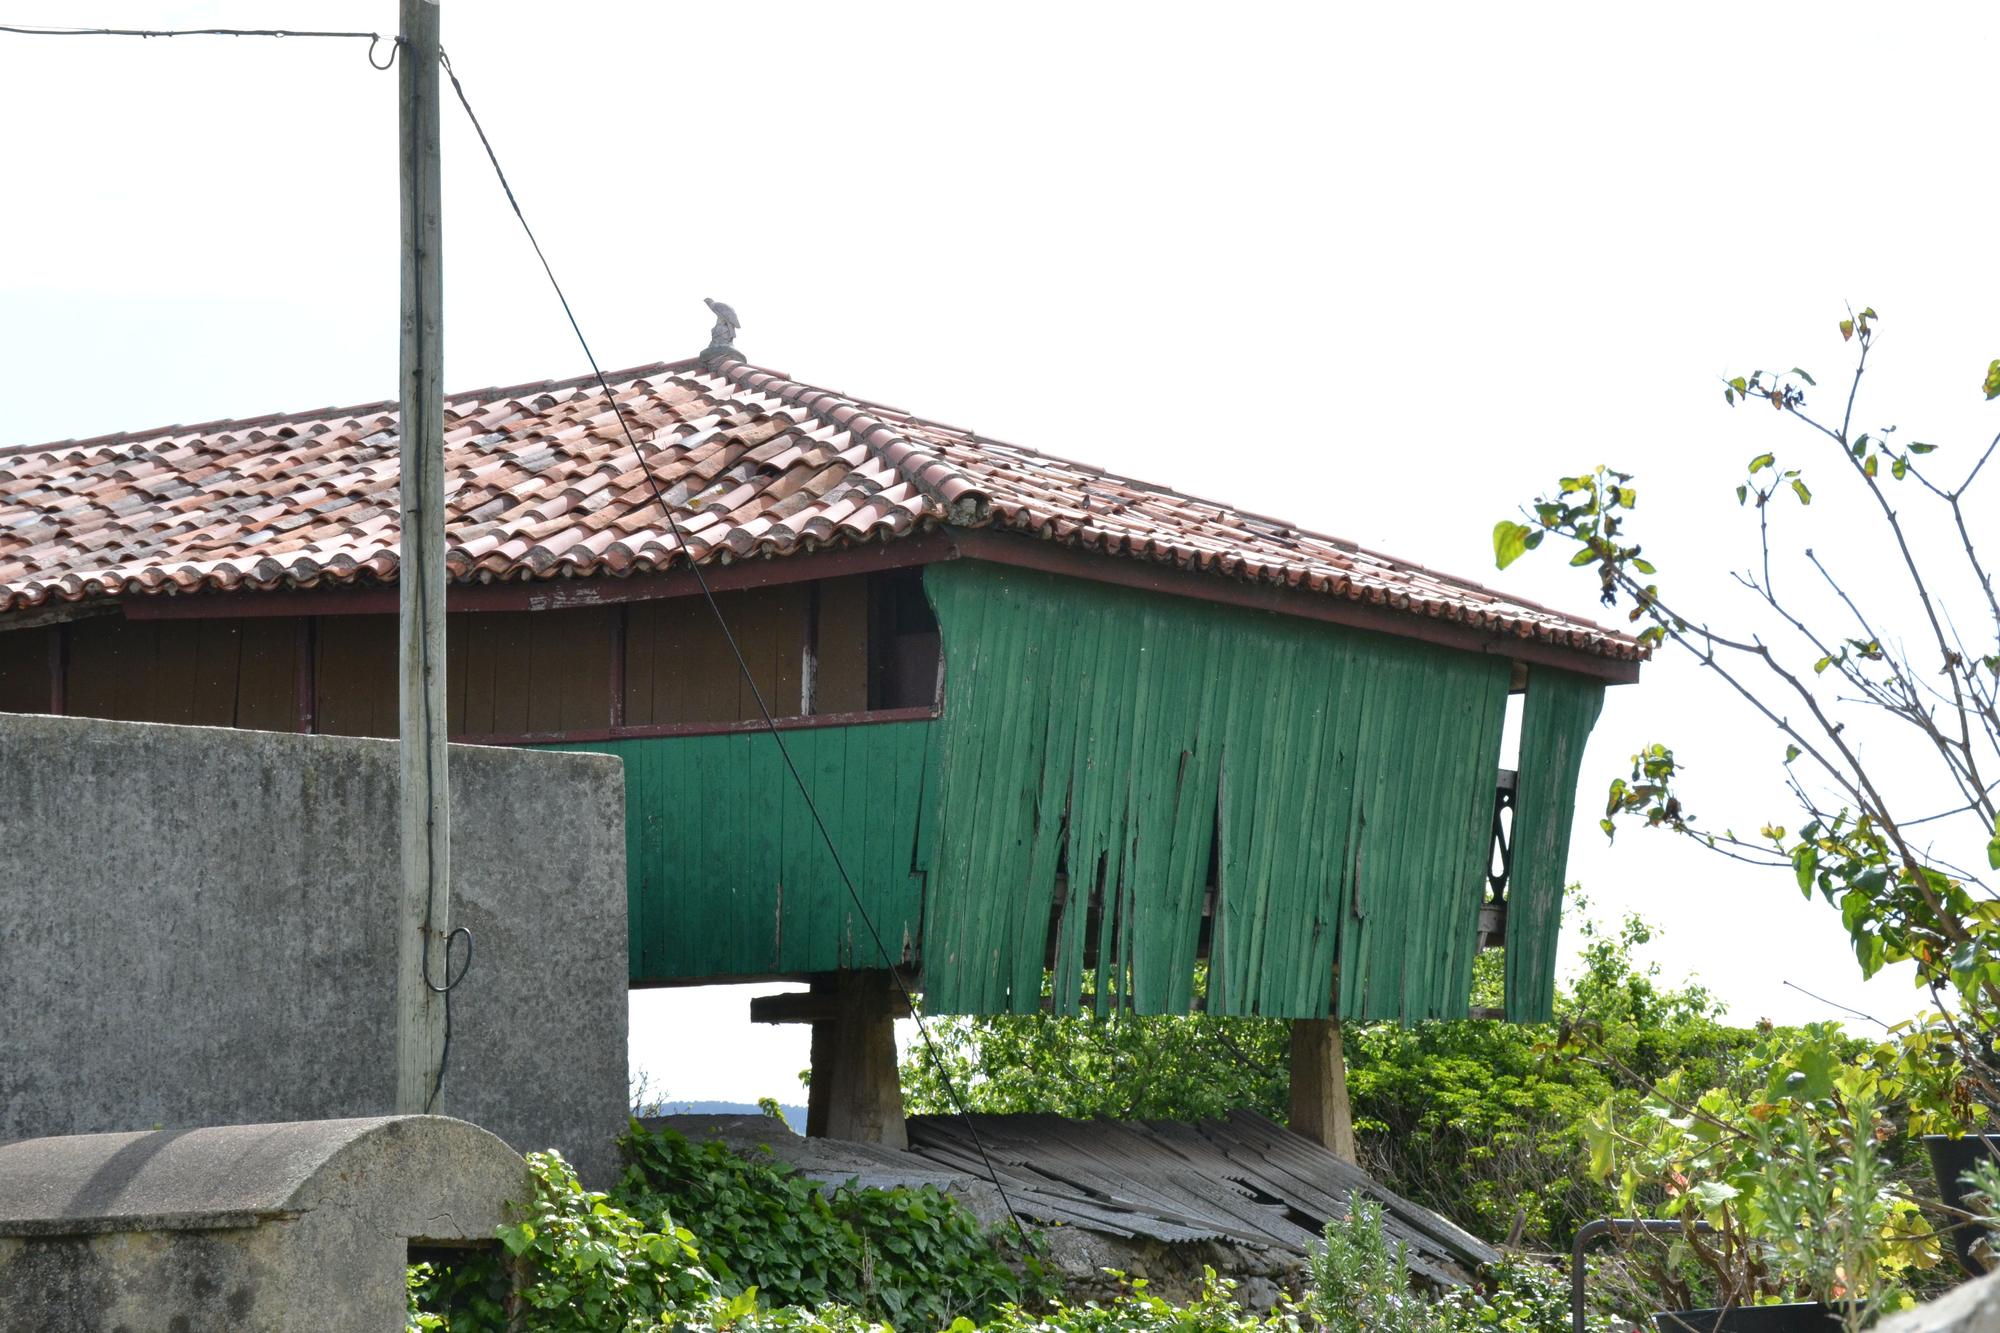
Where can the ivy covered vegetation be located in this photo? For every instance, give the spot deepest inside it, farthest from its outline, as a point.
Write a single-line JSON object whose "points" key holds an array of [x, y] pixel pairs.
{"points": [[1790, 1144], [770, 1240], [578, 1261]]}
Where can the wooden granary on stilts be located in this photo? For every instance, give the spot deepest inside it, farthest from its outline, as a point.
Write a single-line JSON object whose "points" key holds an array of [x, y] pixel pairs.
{"points": [[1082, 743]]}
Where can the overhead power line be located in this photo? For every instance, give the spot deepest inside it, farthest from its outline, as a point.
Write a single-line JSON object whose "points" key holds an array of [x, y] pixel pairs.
{"points": [[743, 666], [40, 30], [374, 39]]}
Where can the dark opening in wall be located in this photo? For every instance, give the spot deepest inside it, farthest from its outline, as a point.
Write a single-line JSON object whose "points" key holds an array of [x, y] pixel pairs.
{"points": [[903, 643], [462, 1277]]}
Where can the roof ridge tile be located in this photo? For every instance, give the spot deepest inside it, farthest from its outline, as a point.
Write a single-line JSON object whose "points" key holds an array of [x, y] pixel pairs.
{"points": [[954, 493]]}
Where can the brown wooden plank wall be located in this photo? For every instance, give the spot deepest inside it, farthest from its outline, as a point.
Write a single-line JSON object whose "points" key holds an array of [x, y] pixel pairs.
{"points": [[510, 674], [354, 676], [214, 673], [520, 673], [842, 624], [678, 667], [25, 669]]}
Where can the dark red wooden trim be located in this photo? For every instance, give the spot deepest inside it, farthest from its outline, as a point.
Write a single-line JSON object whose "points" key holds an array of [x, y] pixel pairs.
{"points": [[550, 594], [1127, 572], [926, 548], [669, 729]]}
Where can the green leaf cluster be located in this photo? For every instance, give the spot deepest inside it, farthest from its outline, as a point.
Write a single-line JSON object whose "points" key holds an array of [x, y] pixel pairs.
{"points": [[574, 1261], [1137, 1310], [1782, 1177], [908, 1256], [1849, 676], [1358, 1284]]}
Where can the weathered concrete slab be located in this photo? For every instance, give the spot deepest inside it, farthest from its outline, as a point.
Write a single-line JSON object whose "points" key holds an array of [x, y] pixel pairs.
{"points": [[274, 1227], [1971, 1307], [196, 928]]}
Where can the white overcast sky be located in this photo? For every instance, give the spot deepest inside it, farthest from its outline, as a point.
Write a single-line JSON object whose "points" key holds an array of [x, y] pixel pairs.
{"points": [[1382, 271]]}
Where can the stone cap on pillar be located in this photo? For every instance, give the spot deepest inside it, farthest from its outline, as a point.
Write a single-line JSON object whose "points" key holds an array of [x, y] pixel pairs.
{"points": [[428, 1177]]}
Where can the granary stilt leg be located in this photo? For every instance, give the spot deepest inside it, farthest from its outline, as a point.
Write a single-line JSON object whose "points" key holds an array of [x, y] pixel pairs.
{"points": [[854, 1094], [1319, 1108], [864, 1096]]}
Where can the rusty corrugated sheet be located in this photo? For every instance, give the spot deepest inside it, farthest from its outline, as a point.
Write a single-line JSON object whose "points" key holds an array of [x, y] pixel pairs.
{"points": [[1348, 777]]}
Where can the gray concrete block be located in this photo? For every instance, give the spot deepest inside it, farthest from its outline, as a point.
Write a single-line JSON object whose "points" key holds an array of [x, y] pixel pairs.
{"points": [[301, 1226], [196, 928], [1971, 1307]]}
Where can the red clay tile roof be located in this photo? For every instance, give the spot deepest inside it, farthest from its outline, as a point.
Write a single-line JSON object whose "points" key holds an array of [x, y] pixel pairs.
{"points": [[540, 484]]}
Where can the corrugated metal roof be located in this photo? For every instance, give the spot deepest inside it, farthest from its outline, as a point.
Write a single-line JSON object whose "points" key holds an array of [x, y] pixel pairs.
{"points": [[540, 485], [1245, 1179]]}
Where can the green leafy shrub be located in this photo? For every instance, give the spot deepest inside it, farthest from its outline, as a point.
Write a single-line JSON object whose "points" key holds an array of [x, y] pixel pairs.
{"points": [[577, 1263], [1361, 1284], [1137, 1310], [913, 1256], [1520, 1296], [1787, 1168]]}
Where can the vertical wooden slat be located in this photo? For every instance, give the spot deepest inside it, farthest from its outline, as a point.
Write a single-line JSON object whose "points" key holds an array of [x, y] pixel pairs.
{"points": [[305, 690], [1338, 769], [841, 645], [1556, 718], [615, 668], [265, 689], [59, 670]]}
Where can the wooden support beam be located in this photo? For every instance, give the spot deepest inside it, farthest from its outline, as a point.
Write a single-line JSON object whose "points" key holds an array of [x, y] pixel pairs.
{"points": [[556, 594], [1319, 1106], [56, 613], [855, 1093], [815, 1006]]}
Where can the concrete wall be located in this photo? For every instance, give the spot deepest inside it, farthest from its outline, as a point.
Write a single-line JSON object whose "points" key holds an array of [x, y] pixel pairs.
{"points": [[196, 929], [298, 1228]]}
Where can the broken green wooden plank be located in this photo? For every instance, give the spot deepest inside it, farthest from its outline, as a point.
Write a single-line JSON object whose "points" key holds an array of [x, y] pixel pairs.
{"points": [[1556, 718]]}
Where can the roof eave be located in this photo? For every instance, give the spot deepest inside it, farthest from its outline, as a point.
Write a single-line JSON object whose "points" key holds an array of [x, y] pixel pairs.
{"points": [[1033, 552]]}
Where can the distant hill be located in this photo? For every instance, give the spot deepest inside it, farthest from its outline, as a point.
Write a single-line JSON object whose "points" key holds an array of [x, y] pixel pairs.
{"points": [[795, 1116]]}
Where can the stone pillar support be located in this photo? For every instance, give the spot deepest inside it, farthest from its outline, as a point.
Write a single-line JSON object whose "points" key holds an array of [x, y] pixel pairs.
{"points": [[1319, 1106], [855, 1092]]}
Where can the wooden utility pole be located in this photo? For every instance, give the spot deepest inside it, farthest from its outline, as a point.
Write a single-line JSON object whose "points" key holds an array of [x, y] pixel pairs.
{"points": [[423, 920]]}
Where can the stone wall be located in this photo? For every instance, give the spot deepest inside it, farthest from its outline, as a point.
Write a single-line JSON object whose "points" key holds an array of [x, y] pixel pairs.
{"points": [[196, 928]]}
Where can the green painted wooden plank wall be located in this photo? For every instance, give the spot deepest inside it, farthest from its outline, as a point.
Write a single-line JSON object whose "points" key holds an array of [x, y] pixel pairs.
{"points": [[1556, 719], [726, 875], [1348, 777], [1338, 783]]}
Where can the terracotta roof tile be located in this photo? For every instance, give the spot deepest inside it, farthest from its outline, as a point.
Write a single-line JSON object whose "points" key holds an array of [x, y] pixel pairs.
{"points": [[540, 483]]}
